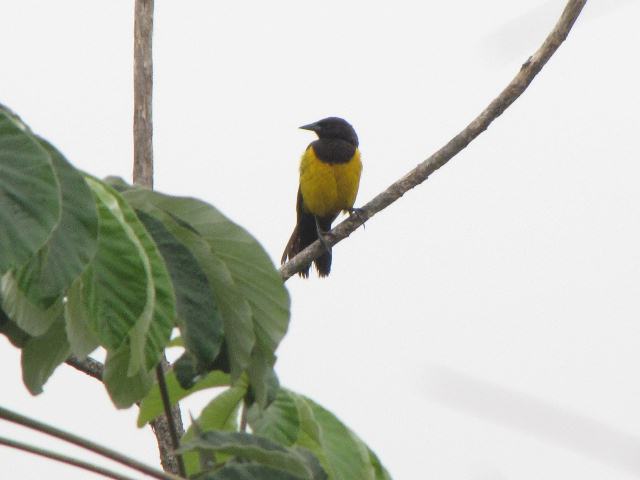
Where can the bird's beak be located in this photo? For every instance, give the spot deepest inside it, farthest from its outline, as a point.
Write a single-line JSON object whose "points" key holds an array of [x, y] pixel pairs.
{"points": [[312, 126]]}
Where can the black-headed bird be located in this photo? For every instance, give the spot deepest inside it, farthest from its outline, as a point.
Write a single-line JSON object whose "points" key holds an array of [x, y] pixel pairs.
{"points": [[330, 171]]}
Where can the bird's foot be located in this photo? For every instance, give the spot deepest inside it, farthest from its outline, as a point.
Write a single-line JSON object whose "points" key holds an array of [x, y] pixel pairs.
{"points": [[324, 236], [359, 214]]}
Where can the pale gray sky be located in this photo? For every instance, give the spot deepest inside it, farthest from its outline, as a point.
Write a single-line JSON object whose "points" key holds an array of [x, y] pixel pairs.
{"points": [[484, 327]]}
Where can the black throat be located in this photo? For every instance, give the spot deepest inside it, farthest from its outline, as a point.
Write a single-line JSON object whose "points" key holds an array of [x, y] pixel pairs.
{"points": [[333, 150]]}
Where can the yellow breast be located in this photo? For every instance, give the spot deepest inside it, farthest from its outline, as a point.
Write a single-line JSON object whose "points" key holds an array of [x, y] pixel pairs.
{"points": [[328, 188]]}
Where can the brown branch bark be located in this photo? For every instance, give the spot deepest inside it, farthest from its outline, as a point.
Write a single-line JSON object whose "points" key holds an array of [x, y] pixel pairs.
{"points": [[165, 429], [91, 367], [419, 174], [142, 94], [160, 425]]}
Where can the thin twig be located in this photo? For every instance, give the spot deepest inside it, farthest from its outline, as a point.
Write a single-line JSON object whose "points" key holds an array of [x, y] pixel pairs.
{"points": [[420, 173], [84, 443], [91, 367], [63, 459]]}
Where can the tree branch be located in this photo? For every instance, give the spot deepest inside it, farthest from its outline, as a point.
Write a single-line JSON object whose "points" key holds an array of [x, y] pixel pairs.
{"points": [[91, 367], [419, 174], [142, 94], [165, 428]]}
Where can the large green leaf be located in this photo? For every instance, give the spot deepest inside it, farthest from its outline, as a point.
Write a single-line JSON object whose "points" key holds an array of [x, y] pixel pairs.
{"points": [[151, 406], [199, 318], [253, 272], [248, 288], [280, 421], [343, 455], [41, 355], [257, 449], [15, 334], [125, 389], [116, 285], [127, 289], [81, 337], [380, 472], [248, 263], [263, 379], [293, 419], [33, 319], [236, 311], [29, 194], [71, 246], [220, 414]]}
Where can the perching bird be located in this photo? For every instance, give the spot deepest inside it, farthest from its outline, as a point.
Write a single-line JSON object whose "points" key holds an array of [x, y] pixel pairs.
{"points": [[329, 178]]}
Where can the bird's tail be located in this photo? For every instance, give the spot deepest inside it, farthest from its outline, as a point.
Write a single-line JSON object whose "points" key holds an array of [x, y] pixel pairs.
{"points": [[304, 234]]}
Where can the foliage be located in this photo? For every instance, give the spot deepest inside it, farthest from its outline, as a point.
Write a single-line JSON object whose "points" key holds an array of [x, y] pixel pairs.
{"points": [[86, 263]]}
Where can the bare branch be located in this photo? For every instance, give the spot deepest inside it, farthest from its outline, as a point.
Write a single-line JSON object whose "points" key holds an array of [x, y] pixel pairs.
{"points": [[142, 94], [166, 429], [91, 367], [514, 89]]}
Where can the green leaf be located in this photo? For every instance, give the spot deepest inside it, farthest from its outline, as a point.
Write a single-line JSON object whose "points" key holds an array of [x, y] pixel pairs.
{"points": [[127, 287], [248, 263], [29, 194], [115, 288], [235, 310], [264, 382], [253, 448], [199, 318], [250, 471], [220, 414], [81, 338], [41, 355], [380, 471], [280, 421], [342, 454], [15, 334], [151, 405], [125, 389], [72, 244], [247, 287], [31, 318]]}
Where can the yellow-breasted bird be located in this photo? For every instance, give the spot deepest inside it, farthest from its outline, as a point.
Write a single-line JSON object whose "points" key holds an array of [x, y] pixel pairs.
{"points": [[330, 171]]}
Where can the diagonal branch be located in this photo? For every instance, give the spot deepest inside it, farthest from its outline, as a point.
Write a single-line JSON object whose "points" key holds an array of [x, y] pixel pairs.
{"points": [[419, 174]]}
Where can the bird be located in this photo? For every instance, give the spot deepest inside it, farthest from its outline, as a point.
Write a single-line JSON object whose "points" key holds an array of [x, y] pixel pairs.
{"points": [[330, 170]]}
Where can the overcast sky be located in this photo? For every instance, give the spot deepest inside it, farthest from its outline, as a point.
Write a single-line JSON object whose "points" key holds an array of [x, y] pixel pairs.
{"points": [[484, 327]]}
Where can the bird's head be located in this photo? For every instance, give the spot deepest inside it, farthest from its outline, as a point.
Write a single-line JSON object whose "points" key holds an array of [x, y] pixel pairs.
{"points": [[333, 127]]}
